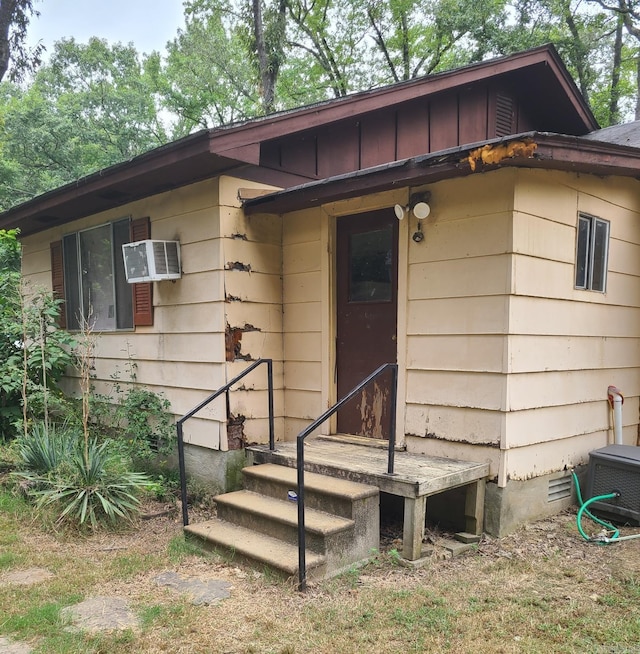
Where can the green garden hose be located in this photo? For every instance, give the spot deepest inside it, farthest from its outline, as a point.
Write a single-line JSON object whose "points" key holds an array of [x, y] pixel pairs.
{"points": [[584, 508]]}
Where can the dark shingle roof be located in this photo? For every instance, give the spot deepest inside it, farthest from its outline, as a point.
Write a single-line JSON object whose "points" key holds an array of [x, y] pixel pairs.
{"points": [[627, 134]]}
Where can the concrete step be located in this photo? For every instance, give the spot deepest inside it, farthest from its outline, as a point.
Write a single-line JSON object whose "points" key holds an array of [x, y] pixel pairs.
{"points": [[329, 494], [279, 519], [342, 521], [254, 547]]}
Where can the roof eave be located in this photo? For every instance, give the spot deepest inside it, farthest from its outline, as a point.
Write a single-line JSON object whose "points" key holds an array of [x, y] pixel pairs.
{"points": [[550, 151]]}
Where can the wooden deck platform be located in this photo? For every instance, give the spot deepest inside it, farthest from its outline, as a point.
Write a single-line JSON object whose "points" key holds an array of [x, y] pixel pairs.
{"points": [[415, 478]]}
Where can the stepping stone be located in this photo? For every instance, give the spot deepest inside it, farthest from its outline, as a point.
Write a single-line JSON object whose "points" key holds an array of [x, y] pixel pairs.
{"points": [[101, 614], [201, 592], [26, 577], [9, 647]]}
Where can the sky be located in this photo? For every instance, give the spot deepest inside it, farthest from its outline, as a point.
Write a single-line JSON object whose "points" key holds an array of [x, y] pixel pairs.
{"points": [[149, 24]]}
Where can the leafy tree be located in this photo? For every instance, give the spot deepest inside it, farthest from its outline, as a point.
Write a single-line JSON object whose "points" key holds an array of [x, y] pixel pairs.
{"points": [[91, 106], [14, 20], [239, 59], [628, 13], [97, 104], [34, 352], [419, 38], [588, 40], [207, 79]]}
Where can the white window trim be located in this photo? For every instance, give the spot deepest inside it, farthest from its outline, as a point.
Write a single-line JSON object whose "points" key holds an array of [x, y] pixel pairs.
{"points": [[590, 253]]}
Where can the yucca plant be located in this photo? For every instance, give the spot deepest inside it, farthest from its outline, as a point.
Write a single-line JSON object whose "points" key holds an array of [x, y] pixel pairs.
{"points": [[100, 489], [86, 484], [46, 447]]}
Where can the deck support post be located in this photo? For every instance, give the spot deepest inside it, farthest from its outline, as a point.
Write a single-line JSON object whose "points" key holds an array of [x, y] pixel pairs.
{"points": [[415, 509], [474, 507]]}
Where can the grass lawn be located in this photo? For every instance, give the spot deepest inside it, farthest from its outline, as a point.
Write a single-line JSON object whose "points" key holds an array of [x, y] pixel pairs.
{"points": [[542, 589]]}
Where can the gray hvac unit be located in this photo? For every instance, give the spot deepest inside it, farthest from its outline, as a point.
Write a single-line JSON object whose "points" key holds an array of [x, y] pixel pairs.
{"points": [[615, 468]]}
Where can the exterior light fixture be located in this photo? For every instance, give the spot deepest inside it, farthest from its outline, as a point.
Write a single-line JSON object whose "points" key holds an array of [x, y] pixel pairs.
{"points": [[418, 205], [400, 211], [421, 210]]}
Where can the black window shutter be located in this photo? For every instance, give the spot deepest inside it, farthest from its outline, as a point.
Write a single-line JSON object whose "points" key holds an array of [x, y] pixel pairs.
{"points": [[142, 293], [57, 280]]}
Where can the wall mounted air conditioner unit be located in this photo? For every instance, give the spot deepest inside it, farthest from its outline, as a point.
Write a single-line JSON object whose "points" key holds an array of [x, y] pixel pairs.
{"points": [[615, 468], [151, 261]]}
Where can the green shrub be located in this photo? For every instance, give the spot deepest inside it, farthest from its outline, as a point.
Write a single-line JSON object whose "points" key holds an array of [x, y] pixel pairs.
{"points": [[85, 483], [34, 351], [138, 417]]}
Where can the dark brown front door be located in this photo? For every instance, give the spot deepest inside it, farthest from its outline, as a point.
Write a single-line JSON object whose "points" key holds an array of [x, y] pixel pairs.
{"points": [[367, 305]]}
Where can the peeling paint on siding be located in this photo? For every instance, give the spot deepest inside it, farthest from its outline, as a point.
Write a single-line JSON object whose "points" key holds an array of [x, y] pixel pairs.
{"points": [[462, 441], [371, 410]]}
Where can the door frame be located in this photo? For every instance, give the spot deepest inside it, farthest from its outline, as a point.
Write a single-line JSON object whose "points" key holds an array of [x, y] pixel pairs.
{"points": [[329, 294]]}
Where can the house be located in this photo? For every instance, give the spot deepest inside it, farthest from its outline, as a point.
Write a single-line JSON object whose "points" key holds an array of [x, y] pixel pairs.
{"points": [[474, 227]]}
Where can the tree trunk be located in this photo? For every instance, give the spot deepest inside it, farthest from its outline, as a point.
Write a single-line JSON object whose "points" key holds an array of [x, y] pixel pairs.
{"points": [[266, 88], [580, 51], [269, 44], [614, 99], [637, 89], [7, 7]]}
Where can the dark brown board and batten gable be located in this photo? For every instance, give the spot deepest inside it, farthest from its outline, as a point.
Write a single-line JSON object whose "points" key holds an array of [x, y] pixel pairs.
{"points": [[428, 124]]}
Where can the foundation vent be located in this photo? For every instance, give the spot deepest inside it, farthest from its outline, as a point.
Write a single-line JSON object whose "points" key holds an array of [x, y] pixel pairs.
{"points": [[559, 489]]}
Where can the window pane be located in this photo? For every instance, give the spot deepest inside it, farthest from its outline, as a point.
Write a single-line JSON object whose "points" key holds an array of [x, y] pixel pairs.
{"points": [[98, 298], [370, 261], [71, 280], [582, 251], [600, 247], [124, 303]]}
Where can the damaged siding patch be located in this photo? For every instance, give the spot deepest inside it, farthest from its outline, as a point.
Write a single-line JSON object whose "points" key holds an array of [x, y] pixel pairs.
{"points": [[236, 438], [233, 342], [495, 154], [238, 265]]}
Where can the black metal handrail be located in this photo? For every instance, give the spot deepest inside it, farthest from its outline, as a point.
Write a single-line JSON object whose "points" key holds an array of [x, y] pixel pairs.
{"points": [[220, 391], [302, 562]]}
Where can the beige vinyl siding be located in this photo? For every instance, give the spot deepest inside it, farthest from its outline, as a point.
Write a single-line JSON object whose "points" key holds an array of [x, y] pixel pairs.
{"points": [[458, 316], [562, 352], [527, 462], [182, 355], [303, 304], [456, 352], [459, 280], [566, 346], [452, 424], [463, 451], [252, 272], [502, 349]]}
